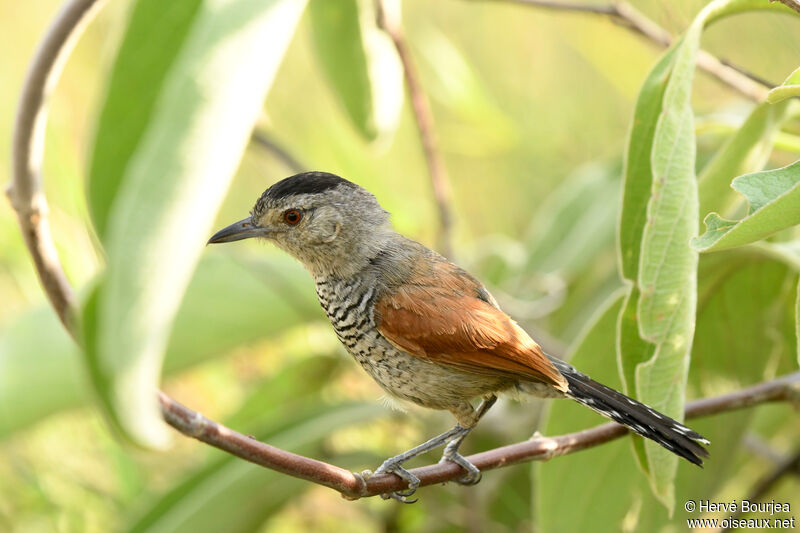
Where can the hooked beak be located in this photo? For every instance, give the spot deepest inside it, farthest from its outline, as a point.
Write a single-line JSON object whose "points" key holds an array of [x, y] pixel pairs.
{"points": [[244, 229]]}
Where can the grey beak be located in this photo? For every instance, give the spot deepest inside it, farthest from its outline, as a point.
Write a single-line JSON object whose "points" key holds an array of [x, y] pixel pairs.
{"points": [[244, 229]]}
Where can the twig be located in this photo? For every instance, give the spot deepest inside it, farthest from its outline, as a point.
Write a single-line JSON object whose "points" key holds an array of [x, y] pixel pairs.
{"points": [[267, 143], [389, 21], [353, 486], [625, 15], [761, 448], [791, 4], [25, 190], [790, 465]]}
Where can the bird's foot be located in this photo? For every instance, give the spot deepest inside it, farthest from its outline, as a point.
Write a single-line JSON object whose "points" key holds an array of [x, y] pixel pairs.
{"points": [[473, 475], [393, 466]]}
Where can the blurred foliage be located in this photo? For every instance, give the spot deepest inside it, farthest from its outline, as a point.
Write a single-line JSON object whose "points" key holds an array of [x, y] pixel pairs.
{"points": [[532, 115]]}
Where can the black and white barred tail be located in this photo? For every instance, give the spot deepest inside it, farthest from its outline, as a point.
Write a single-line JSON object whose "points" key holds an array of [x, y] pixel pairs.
{"points": [[634, 415]]}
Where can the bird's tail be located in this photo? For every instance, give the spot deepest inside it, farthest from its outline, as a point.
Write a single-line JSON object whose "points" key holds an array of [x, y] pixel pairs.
{"points": [[634, 415]]}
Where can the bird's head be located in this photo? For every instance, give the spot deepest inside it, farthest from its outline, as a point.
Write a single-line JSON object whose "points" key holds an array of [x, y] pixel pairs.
{"points": [[331, 225]]}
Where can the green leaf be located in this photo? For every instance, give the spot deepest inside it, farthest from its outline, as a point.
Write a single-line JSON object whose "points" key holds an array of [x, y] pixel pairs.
{"points": [[360, 62], [154, 36], [722, 363], [654, 240], [762, 345], [40, 370], [746, 151], [778, 94], [169, 196], [229, 302], [774, 197], [153, 39], [638, 172], [789, 88], [667, 271]]}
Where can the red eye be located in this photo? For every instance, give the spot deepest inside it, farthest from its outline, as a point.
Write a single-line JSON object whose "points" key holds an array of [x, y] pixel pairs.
{"points": [[292, 217]]}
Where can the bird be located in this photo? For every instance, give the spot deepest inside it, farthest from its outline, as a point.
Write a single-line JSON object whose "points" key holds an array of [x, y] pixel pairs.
{"points": [[424, 329]]}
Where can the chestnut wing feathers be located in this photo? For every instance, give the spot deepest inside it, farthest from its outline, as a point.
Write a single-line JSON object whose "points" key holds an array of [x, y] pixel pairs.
{"points": [[438, 315]]}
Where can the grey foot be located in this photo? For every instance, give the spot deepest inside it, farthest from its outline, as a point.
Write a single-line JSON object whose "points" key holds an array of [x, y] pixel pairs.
{"points": [[393, 466], [473, 475]]}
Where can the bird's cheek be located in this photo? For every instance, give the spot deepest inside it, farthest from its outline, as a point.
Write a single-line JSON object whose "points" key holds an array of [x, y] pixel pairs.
{"points": [[326, 233]]}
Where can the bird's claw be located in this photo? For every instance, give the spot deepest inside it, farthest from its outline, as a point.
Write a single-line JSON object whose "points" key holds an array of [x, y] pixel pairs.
{"points": [[473, 476], [391, 466]]}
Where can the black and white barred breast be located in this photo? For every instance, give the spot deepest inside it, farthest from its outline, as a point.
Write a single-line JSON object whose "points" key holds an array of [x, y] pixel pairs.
{"points": [[350, 306]]}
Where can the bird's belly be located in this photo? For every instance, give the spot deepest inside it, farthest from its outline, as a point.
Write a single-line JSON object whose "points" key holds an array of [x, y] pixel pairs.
{"points": [[401, 374], [410, 378]]}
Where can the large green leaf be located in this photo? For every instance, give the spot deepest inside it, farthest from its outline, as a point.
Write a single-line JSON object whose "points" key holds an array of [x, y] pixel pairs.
{"points": [[230, 301], [746, 151], [638, 174], [360, 62], [659, 217], [154, 36], [774, 197], [721, 362], [667, 272], [169, 196], [762, 343]]}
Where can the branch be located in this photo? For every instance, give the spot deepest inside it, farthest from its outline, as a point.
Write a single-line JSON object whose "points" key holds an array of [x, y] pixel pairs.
{"points": [[790, 465], [389, 21], [625, 15], [354, 486], [791, 4], [266, 142], [25, 190]]}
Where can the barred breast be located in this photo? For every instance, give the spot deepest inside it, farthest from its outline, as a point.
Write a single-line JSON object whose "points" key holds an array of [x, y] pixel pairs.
{"points": [[350, 304]]}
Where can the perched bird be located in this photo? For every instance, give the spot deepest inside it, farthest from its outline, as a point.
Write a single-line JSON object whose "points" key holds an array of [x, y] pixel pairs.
{"points": [[425, 330]]}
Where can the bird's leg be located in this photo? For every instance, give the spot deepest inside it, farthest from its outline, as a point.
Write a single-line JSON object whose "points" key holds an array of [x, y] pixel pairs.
{"points": [[453, 438], [393, 464], [451, 450]]}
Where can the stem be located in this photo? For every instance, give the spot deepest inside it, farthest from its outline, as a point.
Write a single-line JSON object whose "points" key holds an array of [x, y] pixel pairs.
{"points": [[269, 144], [353, 486], [25, 190], [389, 21], [627, 16]]}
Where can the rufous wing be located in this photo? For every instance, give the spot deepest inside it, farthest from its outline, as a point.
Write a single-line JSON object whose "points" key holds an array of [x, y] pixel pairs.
{"points": [[439, 315]]}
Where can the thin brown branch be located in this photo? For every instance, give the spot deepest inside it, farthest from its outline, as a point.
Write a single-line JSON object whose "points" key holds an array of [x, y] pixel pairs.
{"points": [[789, 465], [791, 4], [625, 15], [25, 190], [195, 425], [354, 486], [389, 21], [263, 140]]}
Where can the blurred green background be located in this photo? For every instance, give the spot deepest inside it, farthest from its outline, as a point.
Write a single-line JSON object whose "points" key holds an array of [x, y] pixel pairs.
{"points": [[532, 111]]}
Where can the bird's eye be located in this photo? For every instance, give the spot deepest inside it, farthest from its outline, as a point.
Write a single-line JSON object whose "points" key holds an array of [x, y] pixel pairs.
{"points": [[292, 217]]}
